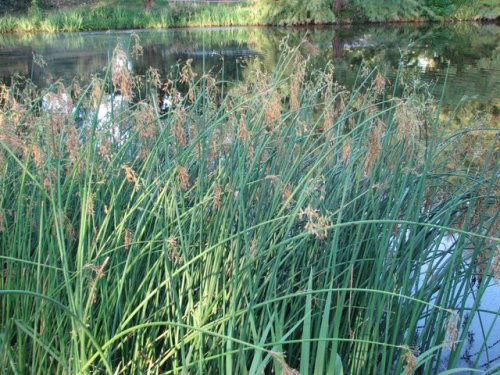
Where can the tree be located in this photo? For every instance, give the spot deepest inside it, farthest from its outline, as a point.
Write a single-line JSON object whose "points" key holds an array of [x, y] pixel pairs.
{"points": [[148, 4], [7, 6], [297, 12], [338, 4]]}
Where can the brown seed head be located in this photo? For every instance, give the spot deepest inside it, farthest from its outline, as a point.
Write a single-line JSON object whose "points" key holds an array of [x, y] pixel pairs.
{"points": [[285, 368], [90, 204], [183, 177], [127, 238], [316, 224], [173, 254], [379, 83], [297, 80], [272, 108], [178, 126], [72, 143], [96, 93], [120, 75], [131, 176], [408, 121], [345, 152], [410, 361], [137, 49], [452, 330], [217, 196], [187, 74], [242, 128], [153, 77], [374, 145]]}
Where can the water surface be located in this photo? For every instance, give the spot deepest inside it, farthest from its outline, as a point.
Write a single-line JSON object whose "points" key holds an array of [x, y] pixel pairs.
{"points": [[468, 54]]}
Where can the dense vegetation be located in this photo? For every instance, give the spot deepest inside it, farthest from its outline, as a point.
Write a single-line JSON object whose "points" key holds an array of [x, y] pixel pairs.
{"points": [[282, 223], [38, 15]]}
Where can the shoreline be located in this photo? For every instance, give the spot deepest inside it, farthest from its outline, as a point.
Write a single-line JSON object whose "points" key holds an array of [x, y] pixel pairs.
{"points": [[107, 18], [261, 25]]}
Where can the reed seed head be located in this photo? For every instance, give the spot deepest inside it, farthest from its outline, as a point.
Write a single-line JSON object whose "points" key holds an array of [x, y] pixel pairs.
{"points": [[72, 143], [407, 118], [153, 77], [127, 238], [379, 83], [217, 197], [297, 79], [183, 177], [187, 73], [374, 145], [130, 176], [120, 74], [410, 361], [272, 109], [137, 49], [242, 128], [173, 254], [316, 224], [452, 330]]}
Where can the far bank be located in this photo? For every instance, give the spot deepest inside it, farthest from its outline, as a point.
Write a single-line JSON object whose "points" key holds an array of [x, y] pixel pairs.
{"points": [[63, 16]]}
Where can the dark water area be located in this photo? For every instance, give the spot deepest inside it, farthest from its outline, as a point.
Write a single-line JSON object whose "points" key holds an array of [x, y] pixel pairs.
{"points": [[469, 54]]}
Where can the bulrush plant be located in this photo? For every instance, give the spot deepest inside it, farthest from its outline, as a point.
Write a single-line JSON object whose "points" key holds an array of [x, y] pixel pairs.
{"points": [[241, 234]]}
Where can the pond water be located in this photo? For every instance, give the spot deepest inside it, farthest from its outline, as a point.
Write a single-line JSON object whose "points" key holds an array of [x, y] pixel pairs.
{"points": [[468, 53]]}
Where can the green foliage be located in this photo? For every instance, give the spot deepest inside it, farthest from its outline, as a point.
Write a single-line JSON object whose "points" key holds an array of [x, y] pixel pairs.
{"points": [[487, 9], [34, 11], [8, 6], [297, 12], [390, 10], [441, 7], [409, 10]]}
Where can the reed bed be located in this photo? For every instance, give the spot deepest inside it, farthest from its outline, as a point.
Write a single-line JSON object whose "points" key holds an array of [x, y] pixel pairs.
{"points": [[283, 225]]}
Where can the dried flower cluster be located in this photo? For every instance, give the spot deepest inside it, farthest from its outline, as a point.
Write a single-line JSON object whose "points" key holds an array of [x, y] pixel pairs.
{"points": [[137, 49], [408, 120], [187, 73], [127, 238], [374, 145], [217, 197], [130, 176], [410, 361], [183, 177], [297, 79], [452, 330], [99, 274], [379, 83], [316, 224], [120, 73], [173, 254]]}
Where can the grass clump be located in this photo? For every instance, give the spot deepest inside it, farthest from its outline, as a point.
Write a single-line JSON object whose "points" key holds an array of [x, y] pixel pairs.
{"points": [[124, 17], [284, 224], [127, 14]]}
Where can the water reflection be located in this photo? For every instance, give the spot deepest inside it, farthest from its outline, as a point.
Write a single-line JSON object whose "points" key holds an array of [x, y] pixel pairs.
{"points": [[469, 53]]}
